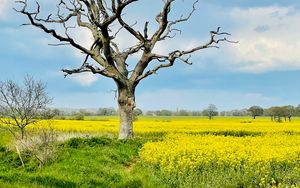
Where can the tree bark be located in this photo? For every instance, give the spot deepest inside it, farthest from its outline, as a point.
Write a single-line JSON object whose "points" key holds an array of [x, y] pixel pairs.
{"points": [[22, 133], [126, 102]]}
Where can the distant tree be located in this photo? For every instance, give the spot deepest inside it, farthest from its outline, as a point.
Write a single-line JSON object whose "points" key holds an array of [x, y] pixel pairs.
{"points": [[50, 113], [289, 111], [210, 111], [150, 113], [196, 113], [78, 116], [166, 113], [22, 105], [183, 113], [237, 112], [157, 113], [56, 112], [137, 112], [256, 111], [102, 112], [112, 111], [269, 112], [85, 112], [106, 112], [297, 110], [47, 114], [222, 113], [276, 113]]}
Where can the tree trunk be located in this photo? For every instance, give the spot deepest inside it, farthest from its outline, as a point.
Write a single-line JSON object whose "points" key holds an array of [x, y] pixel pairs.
{"points": [[279, 119], [22, 133], [126, 102]]}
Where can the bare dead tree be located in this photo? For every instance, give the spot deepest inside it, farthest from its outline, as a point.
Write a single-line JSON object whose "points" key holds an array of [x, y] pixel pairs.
{"points": [[99, 17], [21, 105]]}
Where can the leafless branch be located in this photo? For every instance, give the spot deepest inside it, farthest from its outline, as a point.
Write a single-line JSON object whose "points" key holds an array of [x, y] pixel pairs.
{"points": [[135, 33], [173, 23], [84, 68], [32, 16], [177, 54], [119, 30], [146, 30], [21, 105], [60, 44], [98, 17]]}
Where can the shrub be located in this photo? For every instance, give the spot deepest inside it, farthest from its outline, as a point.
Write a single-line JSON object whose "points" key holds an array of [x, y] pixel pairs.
{"points": [[78, 116]]}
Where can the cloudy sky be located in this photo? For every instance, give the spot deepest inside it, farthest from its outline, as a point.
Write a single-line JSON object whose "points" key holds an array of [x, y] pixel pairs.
{"points": [[262, 69]]}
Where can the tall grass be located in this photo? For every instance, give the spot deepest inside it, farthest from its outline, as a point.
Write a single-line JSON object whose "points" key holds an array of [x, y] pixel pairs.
{"points": [[82, 162]]}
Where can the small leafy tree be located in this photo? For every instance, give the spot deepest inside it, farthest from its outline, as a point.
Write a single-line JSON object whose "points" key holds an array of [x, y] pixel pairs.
{"points": [[22, 105], [297, 110], [289, 111], [210, 111], [137, 112], [78, 116], [166, 112], [256, 111], [276, 113], [106, 111]]}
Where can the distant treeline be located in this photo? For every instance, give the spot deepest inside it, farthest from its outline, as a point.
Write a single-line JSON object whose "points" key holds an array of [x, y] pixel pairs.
{"points": [[275, 112]]}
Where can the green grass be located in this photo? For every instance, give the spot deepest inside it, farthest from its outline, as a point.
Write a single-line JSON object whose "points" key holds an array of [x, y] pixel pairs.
{"points": [[82, 162], [211, 176], [5, 137]]}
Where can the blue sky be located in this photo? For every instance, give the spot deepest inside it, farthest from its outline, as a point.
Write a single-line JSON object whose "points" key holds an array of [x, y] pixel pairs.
{"points": [[263, 69]]}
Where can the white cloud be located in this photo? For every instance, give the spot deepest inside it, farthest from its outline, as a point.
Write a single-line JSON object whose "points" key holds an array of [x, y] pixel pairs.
{"points": [[3, 8], [85, 79], [268, 39], [83, 37]]}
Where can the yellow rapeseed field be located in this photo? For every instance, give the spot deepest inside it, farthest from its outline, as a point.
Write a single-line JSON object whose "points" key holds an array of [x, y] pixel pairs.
{"points": [[255, 148], [183, 152], [179, 125], [230, 141]]}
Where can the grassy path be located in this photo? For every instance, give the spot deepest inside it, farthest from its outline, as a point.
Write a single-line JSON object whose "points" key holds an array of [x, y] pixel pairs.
{"points": [[89, 162]]}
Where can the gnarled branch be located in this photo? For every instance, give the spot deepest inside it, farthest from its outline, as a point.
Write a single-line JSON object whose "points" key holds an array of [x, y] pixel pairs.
{"points": [[169, 29], [177, 54], [32, 16], [99, 17]]}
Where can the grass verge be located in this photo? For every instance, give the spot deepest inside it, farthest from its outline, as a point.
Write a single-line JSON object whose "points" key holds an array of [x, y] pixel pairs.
{"points": [[82, 162]]}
